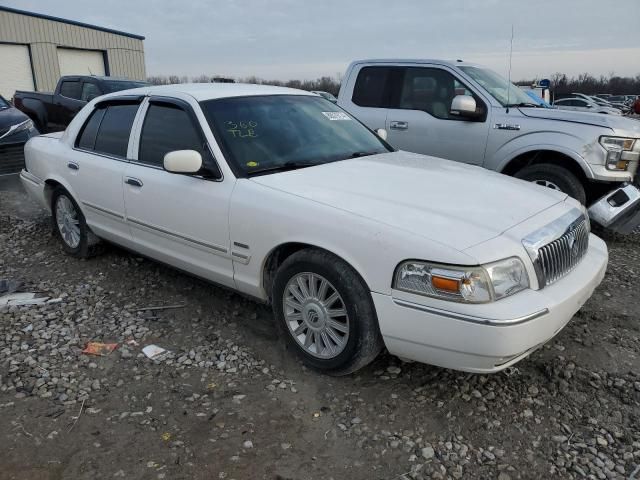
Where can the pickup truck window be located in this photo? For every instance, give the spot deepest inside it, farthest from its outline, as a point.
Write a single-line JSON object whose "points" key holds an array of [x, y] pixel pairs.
{"points": [[166, 128], [70, 89], [370, 89], [277, 132], [87, 138], [89, 91], [504, 92], [431, 90], [115, 128]]}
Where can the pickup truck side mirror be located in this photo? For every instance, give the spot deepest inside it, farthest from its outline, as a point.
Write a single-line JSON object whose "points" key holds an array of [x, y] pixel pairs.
{"points": [[464, 106]]}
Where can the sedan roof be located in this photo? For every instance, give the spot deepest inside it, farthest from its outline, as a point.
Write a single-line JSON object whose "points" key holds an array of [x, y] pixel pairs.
{"points": [[211, 91]]}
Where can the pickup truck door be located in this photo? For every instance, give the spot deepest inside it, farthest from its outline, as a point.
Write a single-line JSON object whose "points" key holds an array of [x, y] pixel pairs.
{"points": [[67, 103], [420, 121], [179, 219], [96, 164]]}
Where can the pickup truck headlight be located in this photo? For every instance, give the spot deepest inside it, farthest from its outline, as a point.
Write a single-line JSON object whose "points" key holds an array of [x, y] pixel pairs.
{"points": [[480, 284], [615, 146]]}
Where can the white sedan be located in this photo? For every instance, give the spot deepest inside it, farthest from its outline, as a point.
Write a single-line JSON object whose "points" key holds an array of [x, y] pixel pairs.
{"points": [[283, 196]]}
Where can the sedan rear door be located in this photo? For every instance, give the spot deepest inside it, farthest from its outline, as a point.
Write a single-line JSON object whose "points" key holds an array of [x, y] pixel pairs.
{"points": [[96, 165]]}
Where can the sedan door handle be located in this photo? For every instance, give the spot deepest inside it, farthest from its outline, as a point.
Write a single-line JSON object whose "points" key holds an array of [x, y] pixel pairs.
{"points": [[133, 181], [73, 166], [397, 125]]}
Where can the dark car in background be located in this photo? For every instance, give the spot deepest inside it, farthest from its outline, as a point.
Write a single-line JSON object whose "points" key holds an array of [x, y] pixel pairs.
{"points": [[15, 129], [52, 112]]}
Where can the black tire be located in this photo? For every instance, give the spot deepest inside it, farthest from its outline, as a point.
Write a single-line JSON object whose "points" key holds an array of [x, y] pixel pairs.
{"points": [[565, 180], [89, 244], [364, 341]]}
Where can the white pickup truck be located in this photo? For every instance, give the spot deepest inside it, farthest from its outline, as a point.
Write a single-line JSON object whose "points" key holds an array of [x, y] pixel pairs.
{"points": [[467, 113], [281, 195]]}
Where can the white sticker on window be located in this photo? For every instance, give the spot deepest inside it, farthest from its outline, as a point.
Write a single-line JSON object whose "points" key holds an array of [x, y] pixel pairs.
{"points": [[336, 115]]}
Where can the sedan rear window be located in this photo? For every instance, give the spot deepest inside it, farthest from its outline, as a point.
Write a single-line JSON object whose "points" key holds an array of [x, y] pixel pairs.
{"points": [[108, 129]]}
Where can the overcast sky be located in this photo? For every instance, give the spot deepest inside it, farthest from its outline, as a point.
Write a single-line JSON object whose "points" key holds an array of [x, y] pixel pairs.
{"points": [[285, 39]]}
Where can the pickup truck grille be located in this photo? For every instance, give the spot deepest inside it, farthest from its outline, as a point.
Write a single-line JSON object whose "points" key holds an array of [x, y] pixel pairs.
{"points": [[559, 247]]}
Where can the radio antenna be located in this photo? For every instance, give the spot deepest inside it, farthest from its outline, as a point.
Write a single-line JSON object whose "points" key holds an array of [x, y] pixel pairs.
{"points": [[509, 79]]}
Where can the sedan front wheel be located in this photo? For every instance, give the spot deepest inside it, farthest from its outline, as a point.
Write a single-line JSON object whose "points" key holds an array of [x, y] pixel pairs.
{"points": [[326, 312]]}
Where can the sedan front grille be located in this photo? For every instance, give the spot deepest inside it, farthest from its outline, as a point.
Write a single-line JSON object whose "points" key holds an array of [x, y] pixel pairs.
{"points": [[559, 247]]}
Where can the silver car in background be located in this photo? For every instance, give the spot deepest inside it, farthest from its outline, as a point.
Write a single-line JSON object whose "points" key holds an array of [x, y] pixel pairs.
{"points": [[583, 105]]}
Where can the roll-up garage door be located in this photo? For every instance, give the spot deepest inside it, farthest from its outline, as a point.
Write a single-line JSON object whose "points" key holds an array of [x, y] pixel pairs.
{"points": [[15, 69], [80, 62]]}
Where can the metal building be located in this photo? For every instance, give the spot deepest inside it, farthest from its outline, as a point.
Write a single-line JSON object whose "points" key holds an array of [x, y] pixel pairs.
{"points": [[36, 50]]}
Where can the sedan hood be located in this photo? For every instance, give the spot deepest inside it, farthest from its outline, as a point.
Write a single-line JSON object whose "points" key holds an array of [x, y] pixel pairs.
{"points": [[451, 203], [614, 122]]}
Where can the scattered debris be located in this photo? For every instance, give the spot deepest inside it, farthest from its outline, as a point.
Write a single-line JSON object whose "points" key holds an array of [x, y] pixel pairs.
{"points": [[25, 298], [99, 349], [78, 417], [154, 352], [9, 286], [160, 307]]}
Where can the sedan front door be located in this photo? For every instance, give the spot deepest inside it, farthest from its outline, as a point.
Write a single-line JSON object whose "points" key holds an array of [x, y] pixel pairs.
{"points": [[179, 219]]}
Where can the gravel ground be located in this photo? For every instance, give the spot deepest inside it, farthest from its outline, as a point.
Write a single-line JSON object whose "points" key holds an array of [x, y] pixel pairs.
{"points": [[229, 402]]}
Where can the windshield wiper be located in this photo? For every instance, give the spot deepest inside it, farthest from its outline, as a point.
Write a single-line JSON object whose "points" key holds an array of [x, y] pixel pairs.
{"points": [[524, 104], [283, 167], [363, 154]]}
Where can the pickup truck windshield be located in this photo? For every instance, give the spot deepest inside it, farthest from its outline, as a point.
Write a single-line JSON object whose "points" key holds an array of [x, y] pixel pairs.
{"points": [[262, 134], [115, 86], [497, 87]]}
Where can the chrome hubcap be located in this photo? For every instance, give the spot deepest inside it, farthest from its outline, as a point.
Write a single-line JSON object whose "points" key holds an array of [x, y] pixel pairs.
{"points": [[316, 315], [547, 183], [68, 222]]}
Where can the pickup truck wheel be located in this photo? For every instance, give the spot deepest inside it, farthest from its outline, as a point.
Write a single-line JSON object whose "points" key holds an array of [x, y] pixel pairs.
{"points": [[70, 226], [326, 312], [555, 177]]}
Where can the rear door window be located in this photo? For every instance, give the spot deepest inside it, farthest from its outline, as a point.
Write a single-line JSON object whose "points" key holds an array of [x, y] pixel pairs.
{"points": [[70, 89], [115, 129], [371, 88], [87, 138], [166, 128]]}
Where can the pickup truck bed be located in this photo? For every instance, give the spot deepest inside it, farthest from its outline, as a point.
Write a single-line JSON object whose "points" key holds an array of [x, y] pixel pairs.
{"points": [[52, 112]]}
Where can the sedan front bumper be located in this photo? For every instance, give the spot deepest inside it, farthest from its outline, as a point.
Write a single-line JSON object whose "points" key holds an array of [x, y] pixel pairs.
{"points": [[488, 337]]}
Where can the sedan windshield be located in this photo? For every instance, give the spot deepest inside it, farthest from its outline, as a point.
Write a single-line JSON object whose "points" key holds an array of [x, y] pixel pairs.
{"points": [[3, 103], [261, 134], [497, 87]]}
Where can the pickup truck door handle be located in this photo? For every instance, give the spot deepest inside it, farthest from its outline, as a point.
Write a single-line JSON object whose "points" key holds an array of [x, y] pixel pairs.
{"points": [[133, 181], [73, 166], [397, 125]]}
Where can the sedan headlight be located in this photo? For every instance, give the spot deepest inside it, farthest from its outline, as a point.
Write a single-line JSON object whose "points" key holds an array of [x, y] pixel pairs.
{"points": [[480, 284]]}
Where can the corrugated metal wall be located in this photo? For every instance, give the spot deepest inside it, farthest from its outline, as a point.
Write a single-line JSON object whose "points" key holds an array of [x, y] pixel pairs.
{"points": [[125, 55]]}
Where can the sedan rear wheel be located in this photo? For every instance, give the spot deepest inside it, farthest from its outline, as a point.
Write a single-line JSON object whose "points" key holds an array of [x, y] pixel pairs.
{"points": [[71, 227]]}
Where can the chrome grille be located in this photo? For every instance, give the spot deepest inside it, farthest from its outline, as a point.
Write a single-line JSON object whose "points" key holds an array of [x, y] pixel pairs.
{"points": [[559, 247], [562, 255]]}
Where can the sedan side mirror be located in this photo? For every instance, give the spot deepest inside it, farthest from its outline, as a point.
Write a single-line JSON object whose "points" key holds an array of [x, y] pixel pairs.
{"points": [[464, 106], [382, 133], [183, 161]]}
